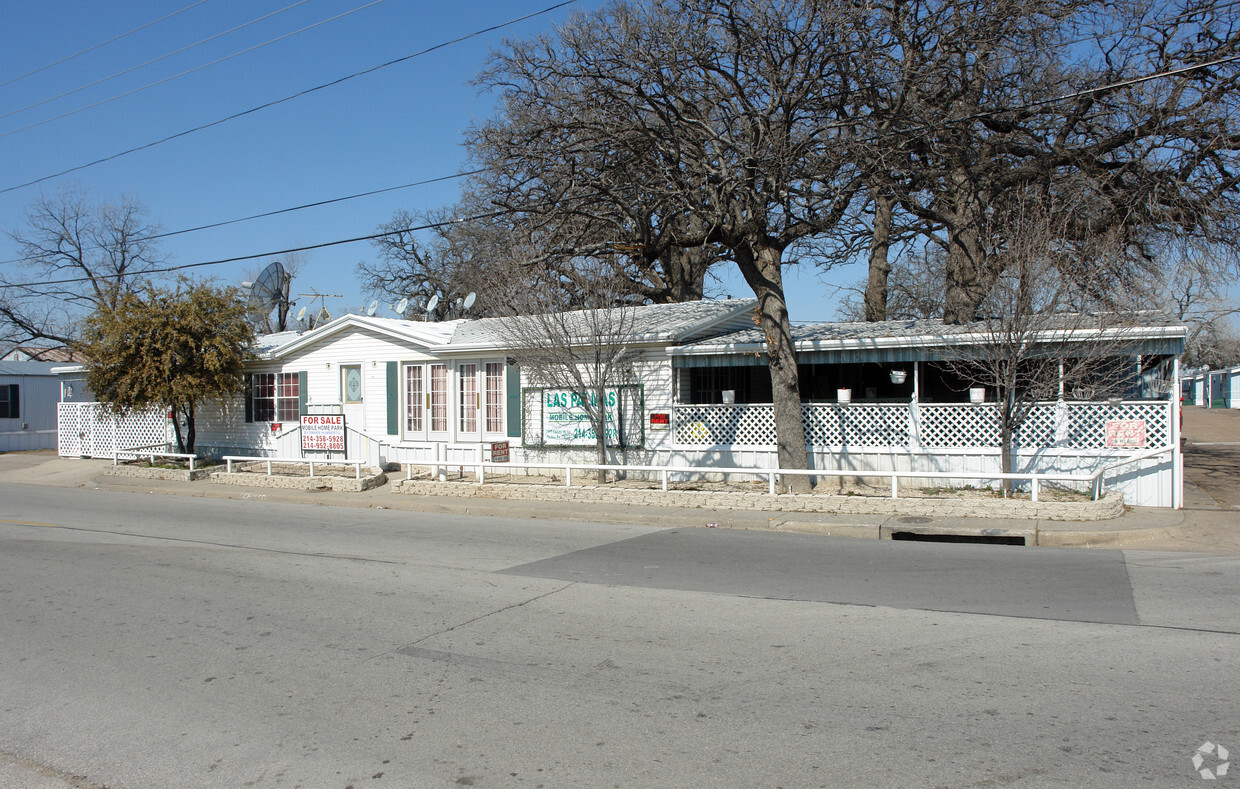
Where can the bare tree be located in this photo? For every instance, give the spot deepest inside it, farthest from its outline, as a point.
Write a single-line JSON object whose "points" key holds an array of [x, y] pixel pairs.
{"points": [[1192, 285], [1128, 108], [459, 252], [584, 354], [1041, 334], [77, 256], [913, 292], [715, 118]]}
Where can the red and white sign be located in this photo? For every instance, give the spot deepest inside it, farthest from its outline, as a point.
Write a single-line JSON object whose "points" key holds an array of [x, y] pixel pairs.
{"points": [[660, 421], [499, 451], [322, 433], [1125, 433]]}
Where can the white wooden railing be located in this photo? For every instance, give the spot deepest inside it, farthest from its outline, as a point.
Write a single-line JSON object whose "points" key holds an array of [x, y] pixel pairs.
{"points": [[150, 452], [1035, 479], [230, 459]]}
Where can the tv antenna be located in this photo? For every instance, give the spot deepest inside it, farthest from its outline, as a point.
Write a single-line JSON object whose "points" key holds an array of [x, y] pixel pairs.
{"points": [[322, 316]]}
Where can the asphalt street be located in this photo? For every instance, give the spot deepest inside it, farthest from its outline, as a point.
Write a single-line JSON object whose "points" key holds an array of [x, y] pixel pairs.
{"points": [[157, 641]]}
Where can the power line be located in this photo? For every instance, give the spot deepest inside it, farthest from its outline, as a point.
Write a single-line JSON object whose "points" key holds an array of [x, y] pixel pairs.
{"points": [[299, 94], [164, 56], [273, 253], [187, 71], [67, 58], [290, 209]]}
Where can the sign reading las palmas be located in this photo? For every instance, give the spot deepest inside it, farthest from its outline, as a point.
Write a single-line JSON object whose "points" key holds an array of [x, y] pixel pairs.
{"points": [[566, 423]]}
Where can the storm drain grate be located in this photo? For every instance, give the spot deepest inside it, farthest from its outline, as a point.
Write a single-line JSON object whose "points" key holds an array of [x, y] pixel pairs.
{"points": [[980, 539]]}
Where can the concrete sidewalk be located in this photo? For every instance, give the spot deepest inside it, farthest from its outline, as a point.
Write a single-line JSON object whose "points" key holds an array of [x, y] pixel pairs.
{"points": [[1210, 521]]}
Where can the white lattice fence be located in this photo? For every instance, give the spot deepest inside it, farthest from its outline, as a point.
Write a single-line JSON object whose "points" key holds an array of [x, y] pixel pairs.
{"points": [[725, 425], [1087, 422], [957, 426], [90, 430], [878, 425], [939, 426]]}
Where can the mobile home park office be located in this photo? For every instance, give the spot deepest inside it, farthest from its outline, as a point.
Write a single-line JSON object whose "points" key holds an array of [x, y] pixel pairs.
{"points": [[699, 394]]}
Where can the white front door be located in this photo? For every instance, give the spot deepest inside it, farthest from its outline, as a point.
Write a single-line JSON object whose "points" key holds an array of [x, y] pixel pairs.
{"points": [[351, 392]]}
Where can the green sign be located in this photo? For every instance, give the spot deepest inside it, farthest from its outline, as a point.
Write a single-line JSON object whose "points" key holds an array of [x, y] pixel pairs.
{"points": [[566, 423]]}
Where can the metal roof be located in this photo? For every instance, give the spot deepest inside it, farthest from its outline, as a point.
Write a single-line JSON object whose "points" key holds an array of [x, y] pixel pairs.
{"points": [[28, 368], [1151, 332]]}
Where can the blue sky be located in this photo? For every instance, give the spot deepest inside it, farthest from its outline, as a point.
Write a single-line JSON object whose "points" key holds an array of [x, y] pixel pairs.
{"points": [[398, 125]]}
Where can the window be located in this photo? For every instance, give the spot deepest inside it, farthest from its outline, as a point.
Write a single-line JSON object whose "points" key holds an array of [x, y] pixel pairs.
{"points": [[413, 398], [469, 397], [10, 405], [439, 398], [277, 397], [495, 397]]}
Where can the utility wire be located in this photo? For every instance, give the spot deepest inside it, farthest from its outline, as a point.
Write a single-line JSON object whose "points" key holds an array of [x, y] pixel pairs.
{"points": [[299, 94], [164, 56], [273, 253], [67, 58], [187, 71], [278, 211]]}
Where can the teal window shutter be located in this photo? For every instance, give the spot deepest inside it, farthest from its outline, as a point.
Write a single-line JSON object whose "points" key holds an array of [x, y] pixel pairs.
{"points": [[514, 401], [249, 397], [393, 398], [301, 392]]}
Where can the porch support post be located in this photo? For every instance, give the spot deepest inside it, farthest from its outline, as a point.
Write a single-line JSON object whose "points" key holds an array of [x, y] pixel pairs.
{"points": [[1174, 407]]}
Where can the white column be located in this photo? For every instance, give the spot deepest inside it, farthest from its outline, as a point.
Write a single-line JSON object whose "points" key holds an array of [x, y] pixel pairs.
{"points": [[1177, 458]]}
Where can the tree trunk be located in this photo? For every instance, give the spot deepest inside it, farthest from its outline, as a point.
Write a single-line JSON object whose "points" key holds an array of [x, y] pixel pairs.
{"points": [[191, 429], [761, 267], [880, 266], [598, 415], [966, 284], [685, 272]]}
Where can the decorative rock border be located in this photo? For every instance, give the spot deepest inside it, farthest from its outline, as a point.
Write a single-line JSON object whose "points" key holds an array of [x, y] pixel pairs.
{"points": [[371, 478], [149, 472], [1109, 506]]}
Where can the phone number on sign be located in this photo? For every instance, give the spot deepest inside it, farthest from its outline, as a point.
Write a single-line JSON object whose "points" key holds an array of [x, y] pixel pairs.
{"points": [[324, 443]]}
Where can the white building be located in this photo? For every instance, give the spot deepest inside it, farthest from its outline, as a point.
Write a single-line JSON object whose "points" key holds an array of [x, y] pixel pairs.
{"points": [[699, 394]]}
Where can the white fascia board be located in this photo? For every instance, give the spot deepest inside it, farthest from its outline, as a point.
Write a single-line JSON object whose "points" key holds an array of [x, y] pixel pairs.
{"points": [[69, 369], [426, 339], [939, 340]]}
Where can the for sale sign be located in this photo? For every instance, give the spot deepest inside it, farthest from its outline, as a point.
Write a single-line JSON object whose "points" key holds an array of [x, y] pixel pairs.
{"points": [[322, 433]]}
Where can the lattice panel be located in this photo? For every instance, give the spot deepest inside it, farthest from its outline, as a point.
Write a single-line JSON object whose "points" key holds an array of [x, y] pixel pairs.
{"points": [[1041, 426], [744, 425], [71, 419], [957, 426], [856, 425], [1087, 425], [90, 430]]}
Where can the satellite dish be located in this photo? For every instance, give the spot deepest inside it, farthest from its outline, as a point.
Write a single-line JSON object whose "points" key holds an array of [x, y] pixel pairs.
{"points": [[433, 303], [301, 314], [268, 289], [370, 310], [470, 299], [401, 306]]}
